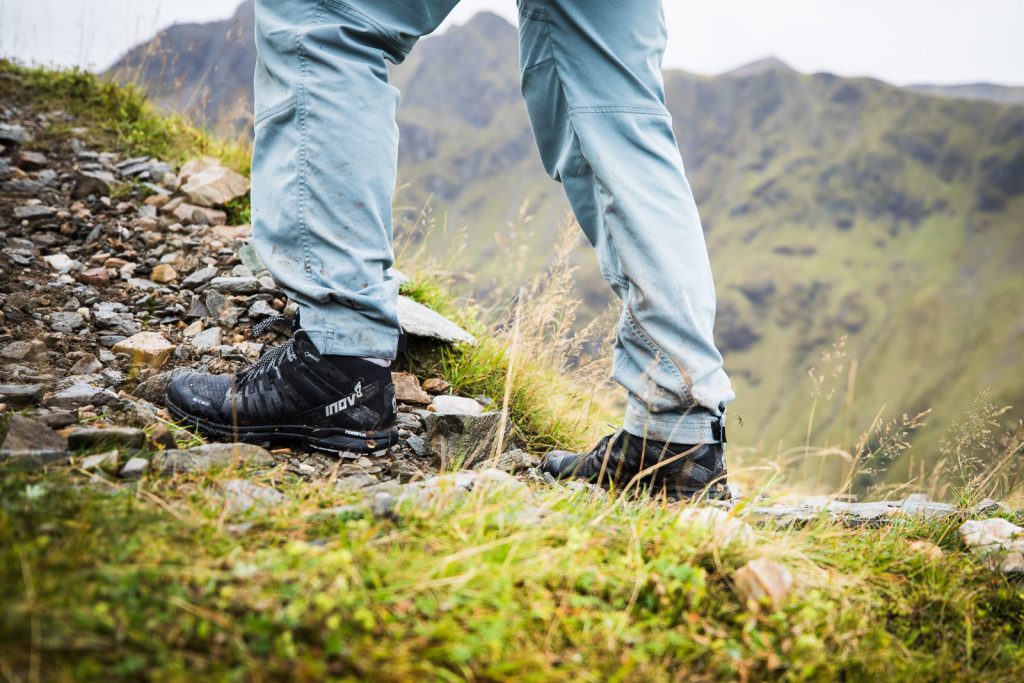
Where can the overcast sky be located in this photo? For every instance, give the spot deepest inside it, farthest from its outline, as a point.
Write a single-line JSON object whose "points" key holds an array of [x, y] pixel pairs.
{"points": [[901, 41]]}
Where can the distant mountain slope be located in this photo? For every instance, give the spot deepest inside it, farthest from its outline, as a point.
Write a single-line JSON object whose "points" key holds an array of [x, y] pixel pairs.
{"points": [[834, 207], [988, 92], [202, 70]]}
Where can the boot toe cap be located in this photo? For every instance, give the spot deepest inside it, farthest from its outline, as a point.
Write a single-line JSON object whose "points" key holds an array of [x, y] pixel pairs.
{"points": [[198, 394]]}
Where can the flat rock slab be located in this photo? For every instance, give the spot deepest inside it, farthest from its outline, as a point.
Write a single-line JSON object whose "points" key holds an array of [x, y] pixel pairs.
{"points": [[25, 434], [211, 456], [419, 321], [21, 395], [34, 459], [80, 395], [111, 437], [854, 513]]}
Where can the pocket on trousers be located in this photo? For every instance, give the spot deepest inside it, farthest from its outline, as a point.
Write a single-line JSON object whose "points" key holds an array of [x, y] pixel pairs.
{"points": [[534, 37], [281, 111]]}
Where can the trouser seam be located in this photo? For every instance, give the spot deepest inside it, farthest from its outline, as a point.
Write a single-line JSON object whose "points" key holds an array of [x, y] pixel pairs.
{"points": [[301, 108], [660, 356]]}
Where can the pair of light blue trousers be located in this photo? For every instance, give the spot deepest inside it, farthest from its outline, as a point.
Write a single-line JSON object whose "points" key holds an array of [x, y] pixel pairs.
{"points": [[325, 163]]}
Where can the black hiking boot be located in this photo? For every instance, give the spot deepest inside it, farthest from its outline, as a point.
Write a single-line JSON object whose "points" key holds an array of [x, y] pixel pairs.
{"points": [[292, 395], [622, 460]]}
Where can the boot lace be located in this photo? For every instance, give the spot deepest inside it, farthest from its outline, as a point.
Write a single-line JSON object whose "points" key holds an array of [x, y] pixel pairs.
{"points": [[271, 358]]}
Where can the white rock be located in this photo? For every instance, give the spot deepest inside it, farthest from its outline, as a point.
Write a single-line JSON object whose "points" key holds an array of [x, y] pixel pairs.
{"points": [[62, 263], [985, 533], [134, 468], [719, 524], [456, 405]]}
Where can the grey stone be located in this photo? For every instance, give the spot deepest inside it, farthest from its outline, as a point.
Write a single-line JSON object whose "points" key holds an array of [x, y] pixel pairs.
{"points": [[209, 456], [31, 213], [419, 321], [356, 482], [21, 395], [34, 459], [66, 321], [405, 471], [25, 434], [13, 133], [230, 316], [464, 440], [199, 277], [134, 468], [852, 513], [235, 285], [59, 419], [23, 186], [19, 350], [197, 309], [208, 339], [80, 395], [242, 495], [409, 421], [251, 259], [517, 460], [215, 302], [98, 183], [86, 365], [110, 437], [418, 445], [114, 316], [261, 309]]}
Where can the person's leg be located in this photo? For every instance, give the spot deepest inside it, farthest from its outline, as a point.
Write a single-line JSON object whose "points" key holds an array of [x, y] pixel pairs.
{"points": [[323, 171], [325, 160], [591, 77]]}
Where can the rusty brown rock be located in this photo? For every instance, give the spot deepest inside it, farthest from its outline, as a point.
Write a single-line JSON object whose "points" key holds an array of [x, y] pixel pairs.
{"points": [[407, 389], [763, 582], [436, 385]]}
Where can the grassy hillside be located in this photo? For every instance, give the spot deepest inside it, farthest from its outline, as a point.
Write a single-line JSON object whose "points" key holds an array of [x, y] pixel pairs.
{"points": [[171, 578], [838, 211]]}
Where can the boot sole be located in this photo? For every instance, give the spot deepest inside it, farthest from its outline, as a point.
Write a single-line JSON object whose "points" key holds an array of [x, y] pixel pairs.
{"points": [[331, 440]]}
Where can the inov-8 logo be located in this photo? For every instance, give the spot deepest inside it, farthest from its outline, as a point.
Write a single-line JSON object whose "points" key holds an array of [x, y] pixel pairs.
{"points": [[347, 402]]}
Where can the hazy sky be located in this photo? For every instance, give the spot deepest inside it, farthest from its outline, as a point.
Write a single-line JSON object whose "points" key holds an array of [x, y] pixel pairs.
{"points": [[901, 41]]}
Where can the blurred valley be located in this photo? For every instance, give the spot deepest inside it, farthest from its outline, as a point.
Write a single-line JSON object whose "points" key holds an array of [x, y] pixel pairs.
{"points": [[834, 208]]}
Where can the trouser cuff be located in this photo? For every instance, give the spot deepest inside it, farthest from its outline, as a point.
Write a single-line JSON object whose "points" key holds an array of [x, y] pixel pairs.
{"points": [[694, 426], [347, 333]]}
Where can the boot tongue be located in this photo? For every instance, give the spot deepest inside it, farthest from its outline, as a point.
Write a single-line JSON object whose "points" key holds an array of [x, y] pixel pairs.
{"points": [[305, 348]]}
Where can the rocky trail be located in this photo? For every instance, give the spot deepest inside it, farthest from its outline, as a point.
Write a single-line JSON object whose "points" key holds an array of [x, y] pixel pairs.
{"points": [[116, 273]]}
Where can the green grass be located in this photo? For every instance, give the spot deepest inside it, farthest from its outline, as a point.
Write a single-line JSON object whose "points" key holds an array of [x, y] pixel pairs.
{"points": [[118, 118], [154, 580], [157, 580]]}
